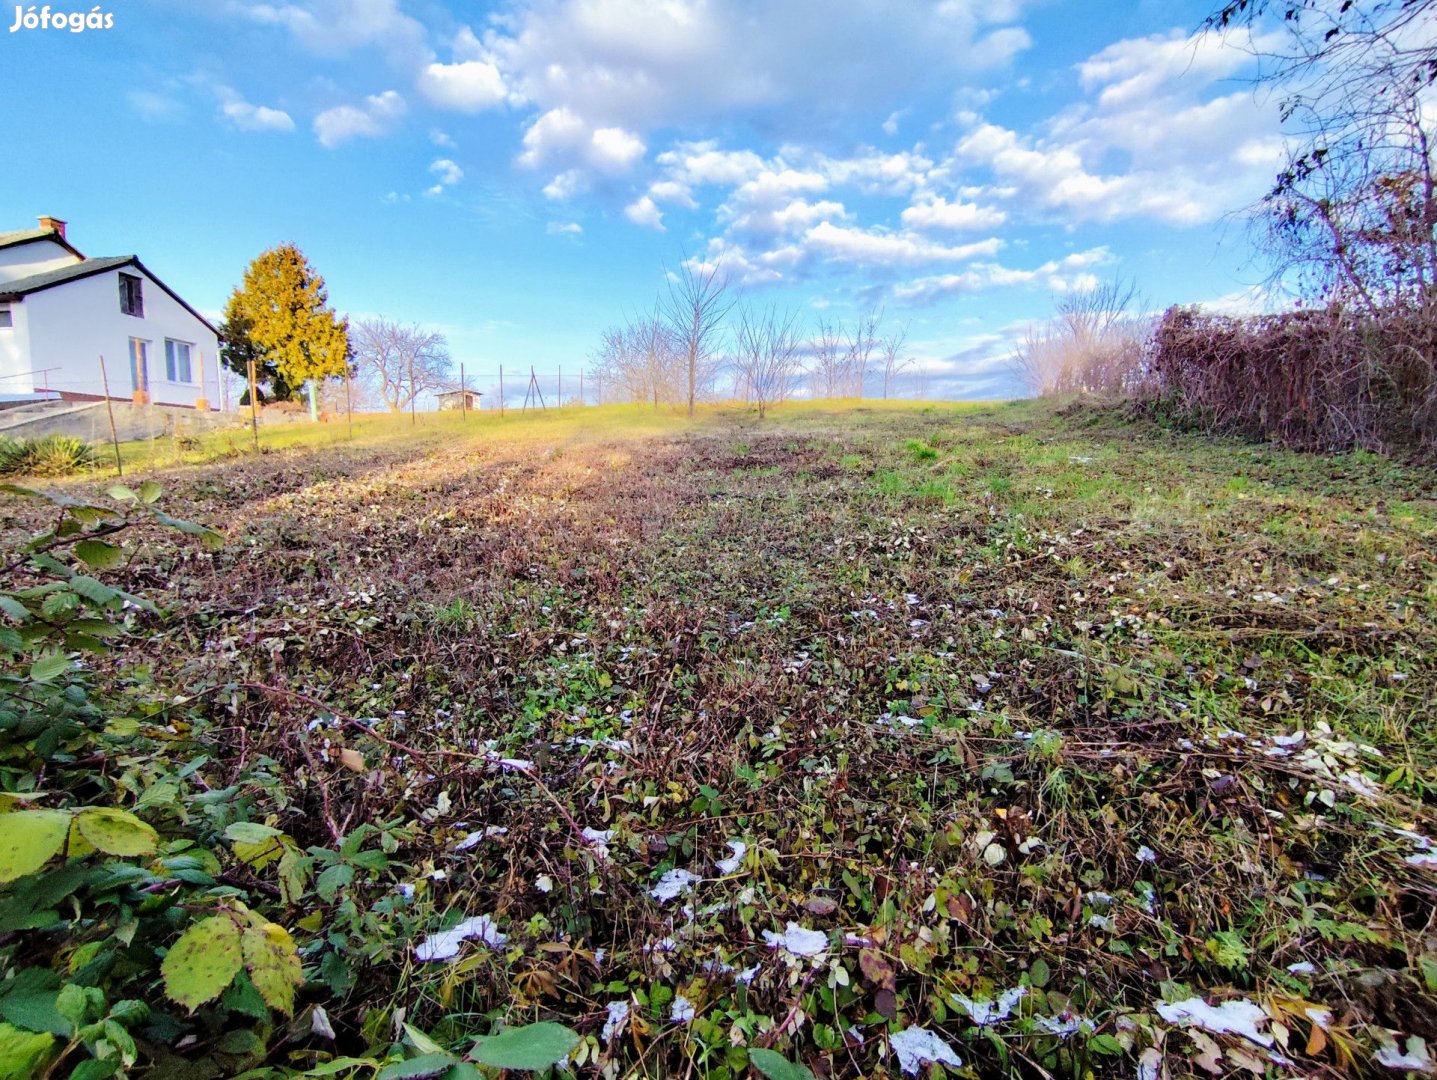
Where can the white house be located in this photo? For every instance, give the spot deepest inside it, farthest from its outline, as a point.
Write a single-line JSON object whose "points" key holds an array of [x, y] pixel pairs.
{"points": [[60, 312]]}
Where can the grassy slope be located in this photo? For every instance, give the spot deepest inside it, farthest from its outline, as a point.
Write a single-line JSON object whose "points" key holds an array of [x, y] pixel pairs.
{"points": [[991, 688]]}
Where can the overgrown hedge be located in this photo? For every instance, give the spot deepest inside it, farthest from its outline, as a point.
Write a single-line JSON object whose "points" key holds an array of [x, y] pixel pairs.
{"points": [[1320, 379]]}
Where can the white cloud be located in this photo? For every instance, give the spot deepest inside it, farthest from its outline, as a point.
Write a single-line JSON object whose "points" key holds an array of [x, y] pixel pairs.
{"points": [[640, 64], [1071, 273], [613, 149], [469, 86], [335, 28], [873, 248], [153, 107], [248, 117], [372, 117], [447, 171], [442, 140], [644, 212], [1150, 139], [937, 213], [564, 228], [562, 136]]}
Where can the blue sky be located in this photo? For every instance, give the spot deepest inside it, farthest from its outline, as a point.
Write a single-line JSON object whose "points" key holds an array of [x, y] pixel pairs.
{"points": [[519, 174]]}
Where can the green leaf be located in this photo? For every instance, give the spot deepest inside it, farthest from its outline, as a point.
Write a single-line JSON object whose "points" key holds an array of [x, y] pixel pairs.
{"points": [[121, 493], [48, 668], [28, 1001], [211, 538], [777, 1067], [534, 1047], [149, 492], [273, 965], [99, 555], [419, 1067], [23, 1054], [249, 832], [12, 607], [339, 1065], [116, 832], [29, 839], [332, 880], [97, 592], [96, 1069], [203, 962]]}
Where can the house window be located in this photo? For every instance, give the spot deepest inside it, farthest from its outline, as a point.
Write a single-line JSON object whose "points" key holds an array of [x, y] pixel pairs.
{"points": [[132, 296], [177, 361], [7, 320]]}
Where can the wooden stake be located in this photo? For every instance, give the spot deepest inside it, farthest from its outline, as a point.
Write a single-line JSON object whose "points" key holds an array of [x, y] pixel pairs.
{"points": [[253, 407], [501, 389], [348, 402], [463, 393], [110, 408]]}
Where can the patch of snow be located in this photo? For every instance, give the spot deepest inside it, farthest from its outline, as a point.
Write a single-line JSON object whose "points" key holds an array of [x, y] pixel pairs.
{"points": [[746, 976], [1416, 1059], [735, 860], [1239, 1017], [673, 885], [991, 1012], [1302, 967], [1425, 859], [445, 944], [1065, 1024], [917, 1047], [798, 940]]}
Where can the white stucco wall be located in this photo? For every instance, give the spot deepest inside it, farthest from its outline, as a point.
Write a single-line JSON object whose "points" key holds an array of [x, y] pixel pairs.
{"points": [[15, 354], [37, 257], [71, 326]]}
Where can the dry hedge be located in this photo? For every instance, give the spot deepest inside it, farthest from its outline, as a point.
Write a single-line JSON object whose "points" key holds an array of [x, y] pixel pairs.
{"points": [[1318, 379]]}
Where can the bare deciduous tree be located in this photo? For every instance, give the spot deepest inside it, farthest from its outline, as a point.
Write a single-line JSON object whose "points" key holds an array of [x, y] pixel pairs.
{"points": [[1095, 343], [825, 367], [890, 351], [694, 309], [640, 361], [861, 343], [1353, 214], [766, 354], [400, 362]]}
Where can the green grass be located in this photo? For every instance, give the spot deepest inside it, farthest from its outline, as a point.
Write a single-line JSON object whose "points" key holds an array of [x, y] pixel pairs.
{"points": [[953, 675]]}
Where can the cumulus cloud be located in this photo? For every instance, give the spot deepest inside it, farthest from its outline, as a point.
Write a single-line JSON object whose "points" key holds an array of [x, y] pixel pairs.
{"points": [[643, 211], [639, 64], [334, 28], [562, 137], [881, 248], [372, 117], [1072, 273], [938, 214], [1187, 154], [248, 117], [469, 86], [447, 173], [564, 228]]}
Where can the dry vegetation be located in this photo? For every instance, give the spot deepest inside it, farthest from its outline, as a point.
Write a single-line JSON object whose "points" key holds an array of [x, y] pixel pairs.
{"points": [[988, 699]]}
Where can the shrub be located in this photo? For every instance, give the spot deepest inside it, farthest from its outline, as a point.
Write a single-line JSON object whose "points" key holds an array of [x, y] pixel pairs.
{"points": [[59, 455], [14, 455], [52, 455], [1318, 379]]}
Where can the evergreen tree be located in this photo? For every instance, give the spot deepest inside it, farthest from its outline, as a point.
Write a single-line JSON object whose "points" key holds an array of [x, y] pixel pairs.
{"points": [[280, 316]]}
